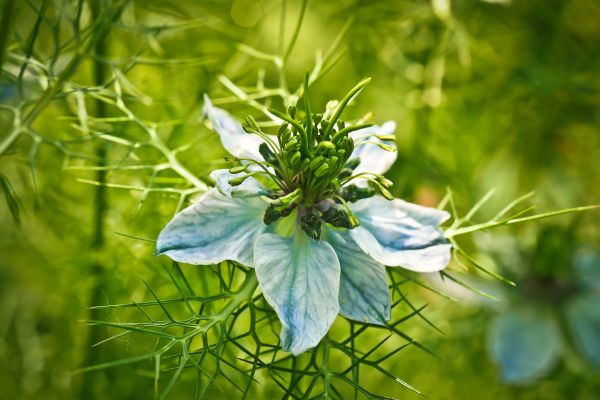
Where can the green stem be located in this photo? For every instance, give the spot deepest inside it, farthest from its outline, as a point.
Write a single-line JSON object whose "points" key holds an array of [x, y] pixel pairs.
{"points": [[54, 88], [348, 129], [245, 293], [112, 14], [325, 370], [296, 125], [5, 25], [12, 136], [100, 208], [294, 38], [451, 233], [309, 126], [338, 112], [176, 165]]}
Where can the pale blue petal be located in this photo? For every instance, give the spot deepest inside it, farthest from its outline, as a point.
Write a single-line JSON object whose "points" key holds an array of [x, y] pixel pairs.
{"points": [[236, 141], [525, 343], [401, 234], [373, 158], [300, 279], [214, 229], [249, 188], [583, 315], [587, 264], [364, 292]]}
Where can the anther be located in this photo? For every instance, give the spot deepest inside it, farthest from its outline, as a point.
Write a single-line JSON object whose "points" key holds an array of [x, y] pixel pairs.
{"points": [[238, 169]]}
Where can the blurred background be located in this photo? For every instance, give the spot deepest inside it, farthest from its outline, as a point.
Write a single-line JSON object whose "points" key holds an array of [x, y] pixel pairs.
{"points": [[485, 94]]}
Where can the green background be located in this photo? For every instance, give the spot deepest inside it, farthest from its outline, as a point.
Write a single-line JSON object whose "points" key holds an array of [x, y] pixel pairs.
{"points": [[484, 94]]}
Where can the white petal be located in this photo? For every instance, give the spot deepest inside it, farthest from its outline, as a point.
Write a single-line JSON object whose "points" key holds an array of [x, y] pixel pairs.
{"points": [[249, 188], [400, 234], [525, 343], [214, 229], [372, 157], [300, 279], [236, 141], [364, 292]]}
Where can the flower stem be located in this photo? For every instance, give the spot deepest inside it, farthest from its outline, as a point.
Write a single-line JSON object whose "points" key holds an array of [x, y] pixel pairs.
{"points": [[351, 94], [99, 211], [451, 233], [244, 294]]}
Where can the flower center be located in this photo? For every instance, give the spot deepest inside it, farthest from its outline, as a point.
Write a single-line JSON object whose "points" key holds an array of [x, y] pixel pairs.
{"points": [[311, 162], [314, 158]]}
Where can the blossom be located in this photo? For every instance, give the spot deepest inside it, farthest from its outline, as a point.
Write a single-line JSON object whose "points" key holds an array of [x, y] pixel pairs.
{"points": [[553, 312], [554, 315], [306, 209]]}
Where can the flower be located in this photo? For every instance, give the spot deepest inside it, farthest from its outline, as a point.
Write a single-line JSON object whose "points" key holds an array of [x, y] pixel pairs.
{"points": [[305, 209], [555, 314], [552, 314]]}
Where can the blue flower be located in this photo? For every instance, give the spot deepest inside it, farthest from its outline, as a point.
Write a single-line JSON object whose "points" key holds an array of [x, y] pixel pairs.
{"points": [[553, 312], [305, 210]]}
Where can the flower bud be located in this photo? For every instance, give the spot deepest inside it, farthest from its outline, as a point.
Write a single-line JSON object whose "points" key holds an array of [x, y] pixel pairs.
{"points": [[323, 146], [385, 193], [284, 133], [238, 169], [316, 162], [282, 128], [238, 180], [352, 193], [311, 224], [387, 137], [384, 181], [292, 111], [267, 154], [337, 217], [333, 161], [385, 147], [251, 123], [304, 165], [295, 158], [322, 170], [271, 214], [352, 163], [291, 144]]}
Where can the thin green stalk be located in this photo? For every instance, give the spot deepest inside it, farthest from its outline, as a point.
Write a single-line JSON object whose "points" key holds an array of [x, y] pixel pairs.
{"points": [[338, 112], [309, 127], [451, 233], [325, 370], [5, 24], [282, 26], [102, 30], [294, 38], [8, 140], [247, 288], [100, 208], [31, 43]]}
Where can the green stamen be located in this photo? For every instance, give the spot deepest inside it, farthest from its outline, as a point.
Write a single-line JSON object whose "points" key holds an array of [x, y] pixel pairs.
{"points": [[312, 166], [338, 112]]}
